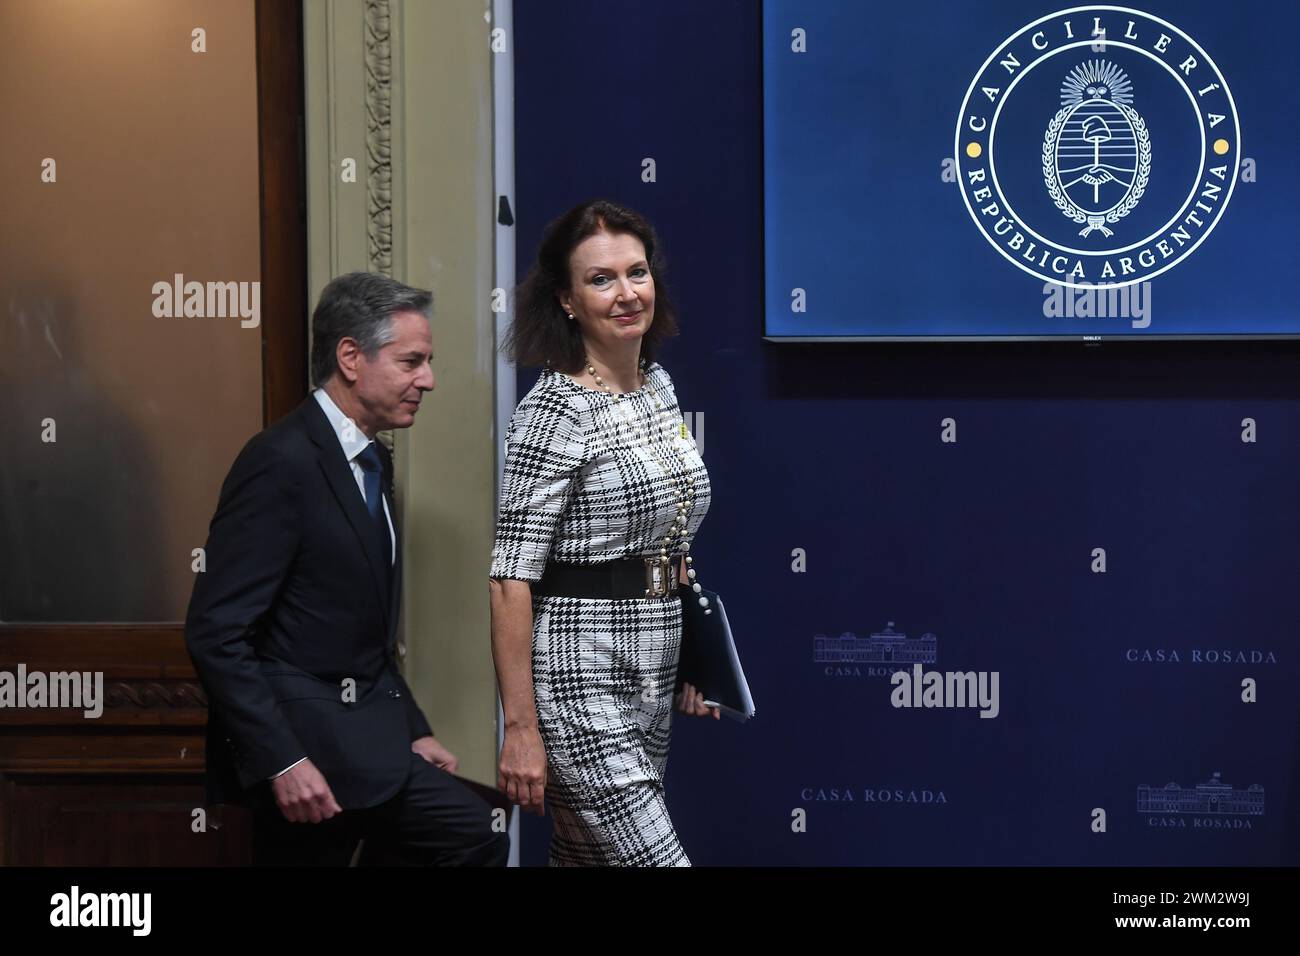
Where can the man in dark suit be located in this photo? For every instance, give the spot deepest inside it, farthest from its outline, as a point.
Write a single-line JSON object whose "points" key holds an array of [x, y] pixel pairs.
{"points": [[292, 627]]}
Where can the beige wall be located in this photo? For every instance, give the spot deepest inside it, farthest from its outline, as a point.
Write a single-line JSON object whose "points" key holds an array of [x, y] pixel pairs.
{"points": [[450, 455], [440, 192]]}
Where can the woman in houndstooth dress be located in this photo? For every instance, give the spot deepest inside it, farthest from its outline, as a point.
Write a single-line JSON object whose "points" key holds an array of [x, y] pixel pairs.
{"points": [[593, 475]]}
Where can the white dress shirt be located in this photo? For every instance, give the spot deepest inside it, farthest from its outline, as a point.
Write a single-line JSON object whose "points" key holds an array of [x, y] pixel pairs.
{"points": [[354, 442]]}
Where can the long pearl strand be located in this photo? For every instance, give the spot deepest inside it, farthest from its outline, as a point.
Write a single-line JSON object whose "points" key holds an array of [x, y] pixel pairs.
{"points": [[664, 427]]}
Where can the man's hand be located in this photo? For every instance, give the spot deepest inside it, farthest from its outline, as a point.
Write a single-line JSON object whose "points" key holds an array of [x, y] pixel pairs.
{"points": [[303, 796], [435, 753]]}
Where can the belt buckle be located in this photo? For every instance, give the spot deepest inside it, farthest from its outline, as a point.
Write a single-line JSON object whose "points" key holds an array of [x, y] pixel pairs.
{"points": [[656, 577]]}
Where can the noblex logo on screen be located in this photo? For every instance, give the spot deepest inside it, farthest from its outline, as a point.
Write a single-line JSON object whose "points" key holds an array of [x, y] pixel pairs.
{"points": [[1098, 145]]}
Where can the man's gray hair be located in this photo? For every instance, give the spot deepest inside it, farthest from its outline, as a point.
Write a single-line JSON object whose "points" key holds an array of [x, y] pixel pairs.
{"points": [[360, 306]]}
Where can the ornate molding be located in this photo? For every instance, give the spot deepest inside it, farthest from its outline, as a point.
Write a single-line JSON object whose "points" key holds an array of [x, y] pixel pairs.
{"points": [[379, 165], [154, 695], [379, 146]]}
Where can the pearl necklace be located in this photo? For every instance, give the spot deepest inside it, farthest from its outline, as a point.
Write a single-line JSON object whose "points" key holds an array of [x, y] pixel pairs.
{"points": [[685, 483]]}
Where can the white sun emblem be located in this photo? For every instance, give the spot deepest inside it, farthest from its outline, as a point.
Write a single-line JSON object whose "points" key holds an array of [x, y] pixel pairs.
{"points": [[1097, 151]]}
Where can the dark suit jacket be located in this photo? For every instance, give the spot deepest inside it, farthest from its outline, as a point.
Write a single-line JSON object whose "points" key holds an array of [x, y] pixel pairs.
{"points": [[290, 606]]}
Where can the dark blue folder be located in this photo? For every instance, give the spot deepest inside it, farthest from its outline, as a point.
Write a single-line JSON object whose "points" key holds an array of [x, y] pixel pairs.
{"points": [[709, 660]]}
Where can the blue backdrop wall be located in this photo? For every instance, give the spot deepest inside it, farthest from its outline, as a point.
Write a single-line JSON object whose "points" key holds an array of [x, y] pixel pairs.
{"points": [[1109, 682]]}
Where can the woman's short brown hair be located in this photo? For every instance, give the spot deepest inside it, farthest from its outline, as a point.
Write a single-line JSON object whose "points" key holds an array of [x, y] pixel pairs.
{"points": [[542, 333]]}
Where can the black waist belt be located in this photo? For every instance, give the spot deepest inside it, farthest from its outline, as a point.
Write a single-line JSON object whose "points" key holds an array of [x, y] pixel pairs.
{"points": [[610, 580]]}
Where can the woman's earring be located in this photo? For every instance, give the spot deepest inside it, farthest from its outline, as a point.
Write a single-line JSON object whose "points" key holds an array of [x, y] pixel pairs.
{"points": [[570, 316]]}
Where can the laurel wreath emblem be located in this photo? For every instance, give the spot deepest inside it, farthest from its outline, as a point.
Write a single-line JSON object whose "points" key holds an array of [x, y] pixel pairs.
{"points": [[1053, 182]]}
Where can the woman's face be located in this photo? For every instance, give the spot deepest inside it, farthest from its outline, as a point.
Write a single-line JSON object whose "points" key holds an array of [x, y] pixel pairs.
{"points": [[611, 293]]}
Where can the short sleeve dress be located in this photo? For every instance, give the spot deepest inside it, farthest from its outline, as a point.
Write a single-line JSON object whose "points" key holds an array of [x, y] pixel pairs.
{"points": [[590, 479]]}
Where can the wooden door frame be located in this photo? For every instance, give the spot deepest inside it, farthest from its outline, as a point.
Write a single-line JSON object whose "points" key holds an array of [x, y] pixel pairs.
{"points": [[154, 708], [281, 137]]}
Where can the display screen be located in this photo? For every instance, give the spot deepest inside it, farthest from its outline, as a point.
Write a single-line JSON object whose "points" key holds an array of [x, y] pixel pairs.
{"points": [[1022, 170]]}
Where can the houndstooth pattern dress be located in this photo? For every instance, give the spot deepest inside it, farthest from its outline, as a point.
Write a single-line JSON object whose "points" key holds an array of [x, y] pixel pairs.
{"points": [[580, 486]]}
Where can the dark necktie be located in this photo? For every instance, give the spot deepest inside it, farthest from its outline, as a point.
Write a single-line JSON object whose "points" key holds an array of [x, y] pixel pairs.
{"points": [[373, 470]]}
